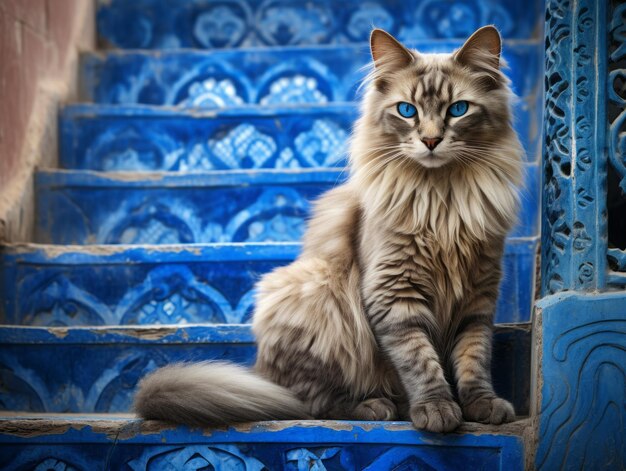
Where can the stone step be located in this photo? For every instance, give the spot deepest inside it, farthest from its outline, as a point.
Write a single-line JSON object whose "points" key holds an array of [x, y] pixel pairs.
{"points": [[148, 138], [96, 369], [111, 442], [279, 76], [48, 285], [85, 207], [158, 24]]}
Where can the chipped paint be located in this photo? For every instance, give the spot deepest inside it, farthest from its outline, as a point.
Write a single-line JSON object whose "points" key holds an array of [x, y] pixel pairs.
{"points": [[58, 332], [139, 332]]}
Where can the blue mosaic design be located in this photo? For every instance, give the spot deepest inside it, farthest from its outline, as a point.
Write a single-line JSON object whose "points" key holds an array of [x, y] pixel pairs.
{"points": [[55, 286], [89, 208], [41, 368], [157, 24], [278, 77], [291, 76], [48, 286], [259, 206], [144, 138], [128, 444]]}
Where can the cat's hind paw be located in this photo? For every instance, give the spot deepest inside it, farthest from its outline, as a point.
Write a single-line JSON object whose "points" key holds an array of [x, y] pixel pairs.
{"points": [[376, 409]]}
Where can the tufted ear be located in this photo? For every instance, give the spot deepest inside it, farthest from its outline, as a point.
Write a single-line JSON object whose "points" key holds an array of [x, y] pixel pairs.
{"points": [[387, 49], [483, 48]]}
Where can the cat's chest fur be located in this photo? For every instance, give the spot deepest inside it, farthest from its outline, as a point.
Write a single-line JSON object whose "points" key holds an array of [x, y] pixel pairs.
{"points": [[431, 240]]}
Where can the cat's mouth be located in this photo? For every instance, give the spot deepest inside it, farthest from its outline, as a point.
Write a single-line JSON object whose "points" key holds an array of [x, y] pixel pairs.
{"points": [[432, 160]]}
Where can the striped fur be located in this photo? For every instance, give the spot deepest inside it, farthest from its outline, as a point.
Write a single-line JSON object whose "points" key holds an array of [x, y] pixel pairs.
{"points": [[388, 311]]}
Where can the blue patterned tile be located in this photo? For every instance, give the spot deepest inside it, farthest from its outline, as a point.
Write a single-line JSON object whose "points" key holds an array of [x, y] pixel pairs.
{"points": [[113, 138], [80, 207], [107, 208], [40, 365], [88, 443], [158, 24], [285, 76], [143, 138], [73, 286]]}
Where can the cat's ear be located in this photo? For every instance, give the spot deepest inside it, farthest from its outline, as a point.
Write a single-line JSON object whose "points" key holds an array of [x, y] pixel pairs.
{"points": [[388, 50], [483, 48]]}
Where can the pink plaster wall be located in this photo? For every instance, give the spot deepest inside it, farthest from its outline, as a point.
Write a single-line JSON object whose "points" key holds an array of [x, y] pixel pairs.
{"points": [[39, 43]]}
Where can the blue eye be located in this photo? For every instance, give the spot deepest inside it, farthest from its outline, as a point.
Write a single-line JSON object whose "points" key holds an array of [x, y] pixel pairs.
{"points": [[407, 110], [458, 108]]}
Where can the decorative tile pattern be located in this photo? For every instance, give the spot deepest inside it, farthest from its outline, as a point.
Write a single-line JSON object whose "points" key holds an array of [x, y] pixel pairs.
{"points": [[138, 286], [40, 367], [583, 382], [181, 285], [195, 457], [144, 138], [44, 376], [82, 208], [285, 76], [297, 89], [52, 456], [87, 444], [145, 24], [211, 93], [575, 164], [257, 206]]}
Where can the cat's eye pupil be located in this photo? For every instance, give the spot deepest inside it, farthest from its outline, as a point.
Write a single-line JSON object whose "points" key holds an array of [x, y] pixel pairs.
{"points": [[458, 108], [406, 110]]}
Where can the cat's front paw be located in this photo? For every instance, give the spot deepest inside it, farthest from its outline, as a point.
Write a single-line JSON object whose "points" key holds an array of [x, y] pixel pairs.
{"points": [[436, 416], [489, 410]]}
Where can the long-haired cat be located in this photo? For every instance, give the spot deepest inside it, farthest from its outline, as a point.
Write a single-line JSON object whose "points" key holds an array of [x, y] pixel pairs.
{"points": [[388, 311]]}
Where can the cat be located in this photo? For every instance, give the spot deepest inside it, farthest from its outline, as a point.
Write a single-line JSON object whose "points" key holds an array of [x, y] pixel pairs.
{"points": [[388, 311]]}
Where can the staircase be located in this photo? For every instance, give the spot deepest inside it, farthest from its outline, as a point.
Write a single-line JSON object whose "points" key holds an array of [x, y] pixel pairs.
{"points": [[206, 129]]}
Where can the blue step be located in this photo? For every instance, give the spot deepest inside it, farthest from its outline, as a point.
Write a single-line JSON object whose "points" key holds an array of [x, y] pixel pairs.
{"points": [[120, 443], [159, 24], [147, 138], [84, 207], [107, 285], [129, 285], [280, 76], [81, 207], [115, 138], [96, 369]]}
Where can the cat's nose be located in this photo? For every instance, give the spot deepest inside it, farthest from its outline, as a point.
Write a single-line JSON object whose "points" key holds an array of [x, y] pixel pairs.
{"points": [[431, 142]]}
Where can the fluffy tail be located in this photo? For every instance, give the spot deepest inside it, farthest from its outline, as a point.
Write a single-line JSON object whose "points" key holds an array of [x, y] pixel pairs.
{"points": [[213, 393]]}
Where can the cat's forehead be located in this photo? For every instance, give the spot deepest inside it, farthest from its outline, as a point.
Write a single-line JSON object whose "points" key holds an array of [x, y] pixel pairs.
{"points": [[431, 78]]}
